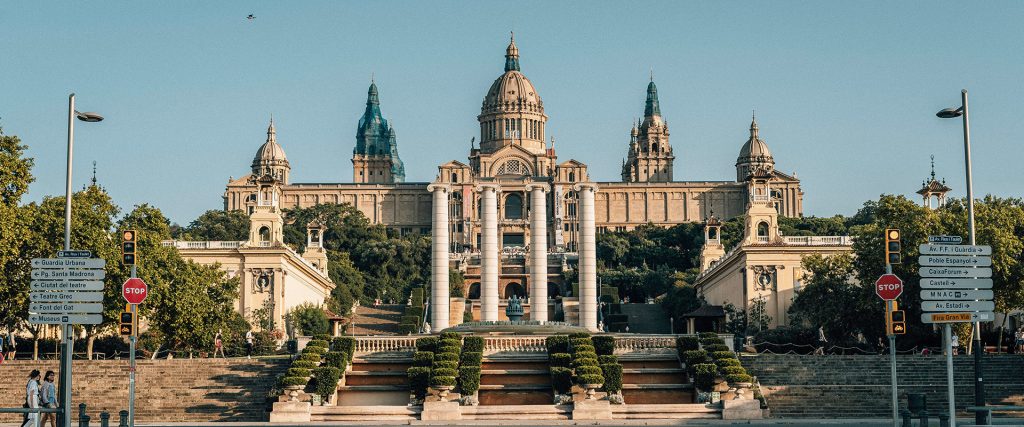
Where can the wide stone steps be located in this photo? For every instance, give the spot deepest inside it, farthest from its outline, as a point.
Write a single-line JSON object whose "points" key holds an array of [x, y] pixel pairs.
{"points": [[379, 320], [665, 411], [365, 413], [517, 412]]}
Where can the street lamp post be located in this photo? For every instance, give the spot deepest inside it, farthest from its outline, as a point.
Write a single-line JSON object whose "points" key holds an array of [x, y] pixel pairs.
{"points": [[950, 113], [68, 329]]}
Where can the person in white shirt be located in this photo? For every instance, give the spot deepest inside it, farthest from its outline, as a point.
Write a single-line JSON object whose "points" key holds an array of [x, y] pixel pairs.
{"points": [[248, 344], [32, 398], [955, 343]]}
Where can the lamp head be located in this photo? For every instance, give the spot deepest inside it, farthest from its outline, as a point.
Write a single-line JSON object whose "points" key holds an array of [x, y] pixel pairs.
{"points": [[89, 116], [950, 113]]}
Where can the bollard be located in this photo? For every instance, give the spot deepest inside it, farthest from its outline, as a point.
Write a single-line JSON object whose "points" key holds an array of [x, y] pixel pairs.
{"points": [[907, 420], [923, 416], [123, 421], [83, 421], [104, 419], [81, 410], [943, 420]]}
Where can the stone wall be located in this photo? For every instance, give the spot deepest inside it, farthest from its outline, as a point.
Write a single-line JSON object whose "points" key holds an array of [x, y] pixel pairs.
{"points": [[859, 386], [178, 390]]}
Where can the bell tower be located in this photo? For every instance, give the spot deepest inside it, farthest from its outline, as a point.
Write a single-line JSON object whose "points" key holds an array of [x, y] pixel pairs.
{"points": [[267, 226], [762, 218], [713, 249], [315, 252], [650, 157], [375, 157]]}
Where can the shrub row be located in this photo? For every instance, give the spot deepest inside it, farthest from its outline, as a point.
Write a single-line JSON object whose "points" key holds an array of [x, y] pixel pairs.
{"points": [[419, 373], [470, 362], [444, 371], [326, 381], [584, 360], [346, 345]]}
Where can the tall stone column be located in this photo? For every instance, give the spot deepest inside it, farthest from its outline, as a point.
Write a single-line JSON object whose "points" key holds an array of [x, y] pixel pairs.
{"points": [[538, 251], [588, 256], [439, 262], [489, 252]]}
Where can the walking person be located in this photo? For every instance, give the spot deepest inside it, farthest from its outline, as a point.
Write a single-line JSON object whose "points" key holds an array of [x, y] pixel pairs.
{"points": [[48, 398], [248, 344], [2, 349], [955, 343], [218, 344], [12, 346], [1019, 340], [31, 399], [821, 342]]}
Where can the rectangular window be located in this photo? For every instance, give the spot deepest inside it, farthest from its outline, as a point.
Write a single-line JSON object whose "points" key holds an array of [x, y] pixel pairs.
{"points": [[425, 231]]}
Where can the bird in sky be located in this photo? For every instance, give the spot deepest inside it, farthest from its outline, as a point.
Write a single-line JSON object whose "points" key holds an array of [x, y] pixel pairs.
{"points": [[250, 17]]}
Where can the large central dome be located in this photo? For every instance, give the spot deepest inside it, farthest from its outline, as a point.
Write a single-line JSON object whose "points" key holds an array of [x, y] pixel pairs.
{"points": [[512, 111]]}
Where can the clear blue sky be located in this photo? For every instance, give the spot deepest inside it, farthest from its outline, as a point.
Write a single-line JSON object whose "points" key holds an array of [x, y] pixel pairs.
{"points": [[845, 92]]}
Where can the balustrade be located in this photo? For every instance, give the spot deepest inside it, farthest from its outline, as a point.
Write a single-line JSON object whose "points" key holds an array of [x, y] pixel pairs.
{"points": [[369, 345], [515, 344]]}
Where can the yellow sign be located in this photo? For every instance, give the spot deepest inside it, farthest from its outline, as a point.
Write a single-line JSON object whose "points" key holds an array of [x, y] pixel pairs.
{"points": [[951, 317]]}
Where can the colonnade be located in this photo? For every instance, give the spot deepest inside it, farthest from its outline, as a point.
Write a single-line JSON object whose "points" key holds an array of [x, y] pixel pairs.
{"points": [[490, 266]]}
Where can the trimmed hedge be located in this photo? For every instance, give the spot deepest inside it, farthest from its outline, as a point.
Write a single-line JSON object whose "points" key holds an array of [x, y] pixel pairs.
{"points": [[573, 342], [449, 349], [423, 358], [687, 343], [561, 379], [446, 364], [471, 358], [326, 381], [473, 345], [732, 370], [604, 345], [419, 378], [444, 372], [322, 337], [607, 359], [412, 320], [345, 345], [469, 379], [704, 376], [711, 341], [446, 356], [584, 355], [584, 348], [738, 378], [408, 328], [318, 343], [562, 360], [694, 357], [426, 344], [579, 335], [314, 349], [725, 363], [307, 364], [312, 357], [723, 355], [442, 380], [293, 381], [298, 372], [590, 379], [557, 344], [612, 373], [450, 336], [716, 347], [588, 370], [414, 311], [336, 359], [416, 295], [706, 335], [586, 361]]}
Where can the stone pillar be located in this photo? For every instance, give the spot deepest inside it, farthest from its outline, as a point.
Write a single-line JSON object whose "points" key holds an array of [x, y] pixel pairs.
{"points": [[439, 259], [538, 251], [588, 256], [489, 266]]}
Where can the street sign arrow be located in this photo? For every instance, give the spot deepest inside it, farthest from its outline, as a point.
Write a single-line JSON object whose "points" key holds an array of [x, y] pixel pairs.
{"points": [[68, 263], [955, 295], [57, 307], [954, 283], [57, 319], [955, 250], [67, 274], [955, 272], [44, 296], [70, 285], [955, 261], [958, 306], [957, 317]]}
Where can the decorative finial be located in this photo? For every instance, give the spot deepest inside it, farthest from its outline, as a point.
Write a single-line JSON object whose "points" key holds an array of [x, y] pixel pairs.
{"points": [[552, 142], [472, 143], [371, 77], [512, 36], [933, 167], [93, 173], [652, 74]]}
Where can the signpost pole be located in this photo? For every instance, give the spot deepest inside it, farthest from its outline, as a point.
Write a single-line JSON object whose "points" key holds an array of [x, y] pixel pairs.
{"points": [[979, 384], [131, 350], [67, 330], [947, 336], [892, 356]]}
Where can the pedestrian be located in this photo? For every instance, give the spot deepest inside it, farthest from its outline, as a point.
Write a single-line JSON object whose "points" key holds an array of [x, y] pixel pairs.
{"points": [[2, 349], [248, 344], [218, 343], [48, 398], [31, 398], [821, 341], [881, 345], [12, 346], [1019, 342], [955, 343]]}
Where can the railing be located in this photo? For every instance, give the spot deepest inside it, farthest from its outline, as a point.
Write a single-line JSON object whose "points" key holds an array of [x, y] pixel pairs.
{"points": [[181, 244], [818, 240], [515, 344], [366, 345], [645, 344], [762, 239]]}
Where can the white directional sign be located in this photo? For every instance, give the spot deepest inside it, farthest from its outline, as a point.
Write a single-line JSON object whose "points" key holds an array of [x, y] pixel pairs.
{"points": [[57, 319], [955, 294], [70, 285], [74, 254], [59, 307], [44, 296], [67, 274], [958, 306], [946, 240], [955, 250], [955, 272], [955, 261], [68, 263], [954, 283], [957, 317]]}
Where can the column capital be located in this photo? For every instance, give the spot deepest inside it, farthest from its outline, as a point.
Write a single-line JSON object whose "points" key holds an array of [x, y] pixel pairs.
{"points": [[438, 186], [480, 188], [542, 186], [592, 186]]}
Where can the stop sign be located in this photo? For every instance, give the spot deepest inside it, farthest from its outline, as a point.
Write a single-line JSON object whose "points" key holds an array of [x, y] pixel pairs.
{"points": [[889, 287], [134, 290]]}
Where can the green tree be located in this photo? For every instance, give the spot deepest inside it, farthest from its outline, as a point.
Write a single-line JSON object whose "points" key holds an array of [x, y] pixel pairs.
{"points": [[217, 225], [308, 319], [15, 177], [455, 282], [831, 300]]}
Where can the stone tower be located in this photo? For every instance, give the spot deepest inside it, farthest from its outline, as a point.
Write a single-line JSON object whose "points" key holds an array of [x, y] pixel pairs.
{"points": [[512, 112], [270, 159], [375, 158], [713, 250], [650, 155], [754, 155]]}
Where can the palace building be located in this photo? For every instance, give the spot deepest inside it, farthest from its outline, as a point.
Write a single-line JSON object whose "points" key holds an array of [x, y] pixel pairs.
{"points": [[512, 216]]}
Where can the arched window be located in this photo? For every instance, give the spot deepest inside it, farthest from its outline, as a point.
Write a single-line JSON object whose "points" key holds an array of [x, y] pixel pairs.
{"points": [[474, 291], [514, 206], [713, 233], [762, 229], [264, 234], [455, 177], [515, 289], [654, 147], [572, 176]]}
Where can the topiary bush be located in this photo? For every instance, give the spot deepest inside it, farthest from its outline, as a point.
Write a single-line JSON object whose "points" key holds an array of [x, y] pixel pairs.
{"points": [[336, 359], [318, 343], [322, 337], [307, 364], [345, 345], [607, 359], [716, 347], [694, 357], [584, 348], [573, 342], [293, 381], [687, 343], [454, 357], [612, 373], [590, 379], [711, 341], [442, 380], [423, 358], [473, 345], [298, 372], [588, 370], [604, 345], [579, 335], [724, 363], [471, 358], [732, 370], [326, 381], [419, 378], [444, 372], [450, 336], [446, 364], [562, 360], [426, 344], [586, 361], [557, 344], [704, 376], [723, 355], [584, 355], [561, 379], [738, 378], [707, 335], [312, 357], [449, 349], [469, 379], [314, 349]]}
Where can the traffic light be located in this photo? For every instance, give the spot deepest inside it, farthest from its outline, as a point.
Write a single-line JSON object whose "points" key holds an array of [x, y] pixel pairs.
{"points": [[892, 246], [130, 238], [127, 323], [897, 322]]}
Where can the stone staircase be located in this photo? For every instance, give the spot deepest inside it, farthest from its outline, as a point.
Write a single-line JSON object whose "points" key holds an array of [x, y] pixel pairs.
{"points": [[178, 390], [859, 386], [655, 379], [646, 318], [379, 320], [373, 387], [516, 380]]}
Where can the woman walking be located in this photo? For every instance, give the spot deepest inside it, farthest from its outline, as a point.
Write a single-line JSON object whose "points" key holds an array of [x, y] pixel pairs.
{"points": [[31, 398], [218, 344], [48, 398]]}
